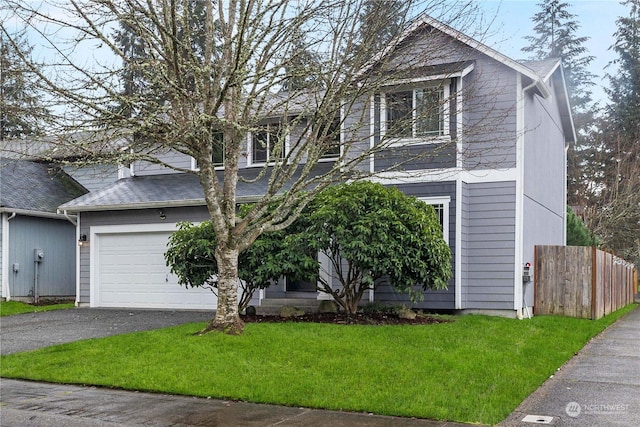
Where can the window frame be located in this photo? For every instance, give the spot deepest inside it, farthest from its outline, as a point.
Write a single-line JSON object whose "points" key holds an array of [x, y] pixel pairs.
{"points": [[332, 157], [216, 165], [444, 202], [250, 144], [444, 90]]}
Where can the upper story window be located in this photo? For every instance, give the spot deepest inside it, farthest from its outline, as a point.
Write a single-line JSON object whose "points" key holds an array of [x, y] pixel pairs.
{"points": [[331, 137], [217, 152], [416, 113], [217, 149], [267, 144]]}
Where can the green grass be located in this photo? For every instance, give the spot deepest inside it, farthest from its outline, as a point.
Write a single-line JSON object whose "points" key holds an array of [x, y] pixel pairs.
{"points": [[474, 369], [8, 308]]}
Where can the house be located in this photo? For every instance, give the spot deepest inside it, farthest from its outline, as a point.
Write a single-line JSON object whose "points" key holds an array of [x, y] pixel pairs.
{"points": [[37, 244], [495, 173]]}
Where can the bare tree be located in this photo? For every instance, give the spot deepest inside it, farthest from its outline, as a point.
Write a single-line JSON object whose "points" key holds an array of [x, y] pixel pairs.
{"points": [[211, 92]]}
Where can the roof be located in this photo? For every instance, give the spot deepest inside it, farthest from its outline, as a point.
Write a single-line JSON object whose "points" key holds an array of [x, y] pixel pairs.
{"points": [[140, 192], [544, 67], [552, 69], [167, 190], [538, 72], [427, 21], [29, 186]]}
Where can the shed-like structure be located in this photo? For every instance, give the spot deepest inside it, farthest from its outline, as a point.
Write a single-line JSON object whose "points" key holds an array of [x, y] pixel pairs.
{"points": [[37, 244]]}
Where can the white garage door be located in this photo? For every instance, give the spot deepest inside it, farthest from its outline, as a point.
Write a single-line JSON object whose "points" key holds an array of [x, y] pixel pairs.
{"points": [[131, 272]]}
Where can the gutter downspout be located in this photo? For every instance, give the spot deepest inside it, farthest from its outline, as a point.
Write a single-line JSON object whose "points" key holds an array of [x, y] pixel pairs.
{"points": [[78, 249], [71, 218], [6, 289]]}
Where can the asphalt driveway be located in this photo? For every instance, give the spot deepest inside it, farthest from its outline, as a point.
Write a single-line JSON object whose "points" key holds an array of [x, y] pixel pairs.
{"points": [[30, 331]]}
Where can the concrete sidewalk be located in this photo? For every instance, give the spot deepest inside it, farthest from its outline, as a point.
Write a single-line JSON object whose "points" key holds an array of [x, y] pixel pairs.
{"points": [[599, 387], [31, 404]]}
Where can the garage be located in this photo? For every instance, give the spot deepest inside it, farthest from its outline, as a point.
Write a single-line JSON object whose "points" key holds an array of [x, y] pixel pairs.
{"points": [[129, 271]]}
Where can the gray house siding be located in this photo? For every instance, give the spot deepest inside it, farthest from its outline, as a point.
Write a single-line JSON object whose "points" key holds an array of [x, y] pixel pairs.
{"points": [[356, 130], [175, 159], [464, 241], [428, 156], [93, 177], [141, 216], [489, 119], [56, 272], [489, 97], [434, 300], [490, 245], [544, 207]]}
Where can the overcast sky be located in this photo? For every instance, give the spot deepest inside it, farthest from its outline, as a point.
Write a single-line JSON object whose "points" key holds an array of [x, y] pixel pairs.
{"points": [[510, 21], [597, 19]]}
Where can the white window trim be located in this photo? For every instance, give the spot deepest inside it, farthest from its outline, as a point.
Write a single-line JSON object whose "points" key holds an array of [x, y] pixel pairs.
{"points": [[341, 137], [195, 168], [445, 201], [287, 143], [445, 85]]}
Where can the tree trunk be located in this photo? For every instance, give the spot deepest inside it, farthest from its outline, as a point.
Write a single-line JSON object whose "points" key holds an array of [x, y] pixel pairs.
{"points": [[227, 318]]}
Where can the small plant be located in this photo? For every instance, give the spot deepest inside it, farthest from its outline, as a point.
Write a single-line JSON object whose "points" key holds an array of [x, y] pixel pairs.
{"points": [[374, 307]]}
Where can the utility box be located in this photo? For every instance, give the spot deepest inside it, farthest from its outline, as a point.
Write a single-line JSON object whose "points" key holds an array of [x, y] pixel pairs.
{"points": [[526, 273], [38, 255]]}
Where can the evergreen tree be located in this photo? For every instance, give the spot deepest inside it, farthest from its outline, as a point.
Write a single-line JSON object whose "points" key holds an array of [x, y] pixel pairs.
{"points": [[556, 37], [556, 29], [577, 232], [21, 110], [134, 86], [394, 15], [303, 67], [616, 157]]}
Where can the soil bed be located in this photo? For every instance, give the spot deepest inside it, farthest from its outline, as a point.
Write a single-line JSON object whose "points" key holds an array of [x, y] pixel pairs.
{"points": [[343, 319]]}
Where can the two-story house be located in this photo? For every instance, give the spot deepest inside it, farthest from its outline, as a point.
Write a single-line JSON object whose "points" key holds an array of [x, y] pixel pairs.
{"points": [[488, 152]]}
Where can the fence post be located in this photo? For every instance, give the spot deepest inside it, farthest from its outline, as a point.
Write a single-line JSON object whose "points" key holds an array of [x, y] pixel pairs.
{"points": [[594, 279]]}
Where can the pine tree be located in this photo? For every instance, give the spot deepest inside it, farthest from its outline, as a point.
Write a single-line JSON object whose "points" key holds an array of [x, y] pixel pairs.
{"points": [[556, 37], [134, 85], [556, 29], [21, 109], [394, 15], [616, 213]]}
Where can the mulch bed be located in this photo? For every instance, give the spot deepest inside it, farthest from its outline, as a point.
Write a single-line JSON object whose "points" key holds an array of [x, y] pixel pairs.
{"points": [[343, 319]]}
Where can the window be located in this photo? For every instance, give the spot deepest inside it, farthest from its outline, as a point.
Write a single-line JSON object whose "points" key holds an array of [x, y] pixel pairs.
{"points": [[217, 152], [441, 206], [330, 136], [416, 113], [217, 149], [267, 144]]}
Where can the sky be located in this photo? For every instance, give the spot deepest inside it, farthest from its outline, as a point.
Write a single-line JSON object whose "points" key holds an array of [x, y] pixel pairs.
{"points": [[597, 19], [511, 22]]}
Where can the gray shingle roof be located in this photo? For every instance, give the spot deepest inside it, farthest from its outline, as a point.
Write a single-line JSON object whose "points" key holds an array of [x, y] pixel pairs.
{"points": [[141, 191], [33, 186], [178, 189], [542, 67]]}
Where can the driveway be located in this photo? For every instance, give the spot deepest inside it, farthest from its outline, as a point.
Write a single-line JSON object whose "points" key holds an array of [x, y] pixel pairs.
{"points": [[30, 331]]}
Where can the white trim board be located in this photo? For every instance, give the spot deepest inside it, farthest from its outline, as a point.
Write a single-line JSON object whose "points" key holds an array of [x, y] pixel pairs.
{"points": [[444, 175]]}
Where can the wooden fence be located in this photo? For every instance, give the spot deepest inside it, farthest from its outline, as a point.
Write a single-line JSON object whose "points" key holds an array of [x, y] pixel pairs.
{"points": [[581, 281]]}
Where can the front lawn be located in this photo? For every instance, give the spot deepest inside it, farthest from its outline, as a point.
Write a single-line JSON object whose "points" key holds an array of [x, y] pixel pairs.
{"points": [[473, 369], [8, 308]]}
